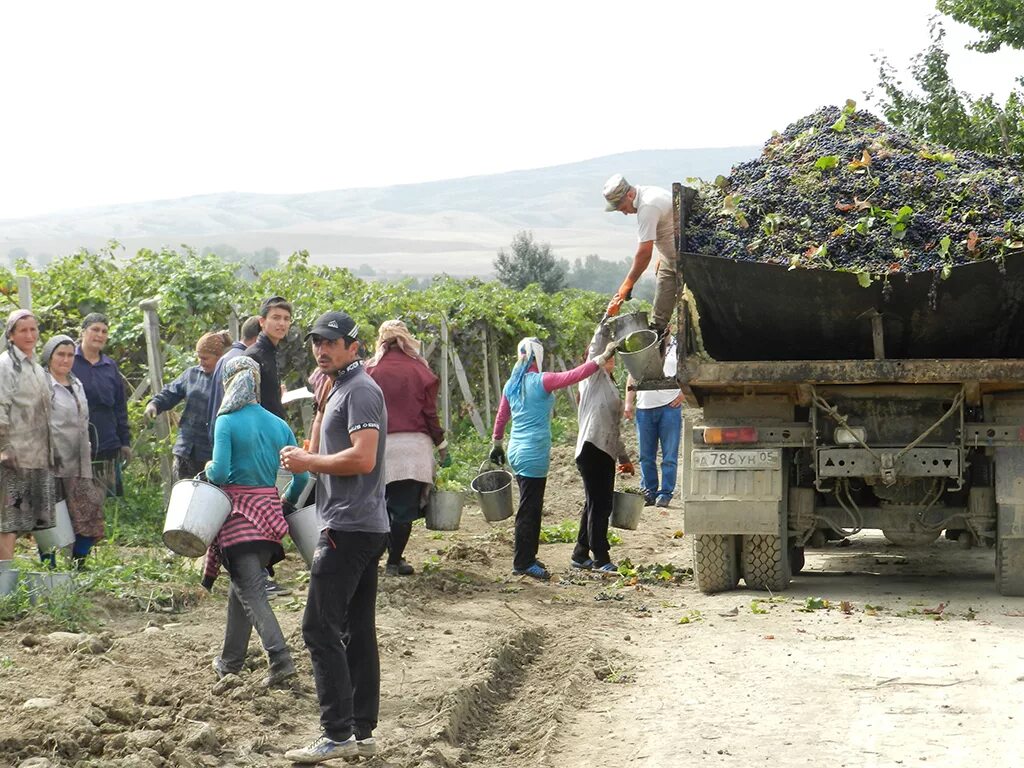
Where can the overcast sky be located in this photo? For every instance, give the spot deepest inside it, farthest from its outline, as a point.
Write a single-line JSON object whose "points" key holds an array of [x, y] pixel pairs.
{"points": [[107, 102]]}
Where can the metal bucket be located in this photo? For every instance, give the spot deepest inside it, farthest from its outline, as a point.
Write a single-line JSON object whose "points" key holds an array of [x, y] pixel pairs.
{"points": [[8, 578], [623, 325], [645, 363], [304, 526], [493, 490], [61, 535], [626, 510], [283, 478], [444, 510], [195, 514], [42, 583]]}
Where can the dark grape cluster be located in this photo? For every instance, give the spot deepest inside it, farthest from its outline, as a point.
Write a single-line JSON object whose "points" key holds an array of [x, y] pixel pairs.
{"points": [[841, 189]]}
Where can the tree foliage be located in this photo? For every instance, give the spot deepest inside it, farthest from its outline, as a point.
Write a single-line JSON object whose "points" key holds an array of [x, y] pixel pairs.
{"points": [[938, 112], [530, 263], [1000, 21]]}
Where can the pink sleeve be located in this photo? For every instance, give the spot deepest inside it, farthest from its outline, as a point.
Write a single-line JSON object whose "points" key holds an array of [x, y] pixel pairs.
{"points": [[553, 381], [501, 418]]}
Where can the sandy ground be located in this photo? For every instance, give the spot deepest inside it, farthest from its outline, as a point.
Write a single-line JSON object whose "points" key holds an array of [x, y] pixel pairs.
{"points": [[876, 656]]}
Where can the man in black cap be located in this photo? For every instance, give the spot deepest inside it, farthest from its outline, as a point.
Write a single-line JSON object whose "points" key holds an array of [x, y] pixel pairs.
{"points": [[339, 625], [275, 320]]}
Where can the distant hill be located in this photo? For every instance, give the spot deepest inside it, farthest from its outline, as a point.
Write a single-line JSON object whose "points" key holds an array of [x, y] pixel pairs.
{"points": [[453, 226]]}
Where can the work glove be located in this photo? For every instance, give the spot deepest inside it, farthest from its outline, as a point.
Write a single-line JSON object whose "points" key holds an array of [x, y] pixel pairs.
{"points": [[609, 350], [126, 454], [444, 457], [287, 507], [625, 466], [497, 454], [625, 293], [150, 411]]}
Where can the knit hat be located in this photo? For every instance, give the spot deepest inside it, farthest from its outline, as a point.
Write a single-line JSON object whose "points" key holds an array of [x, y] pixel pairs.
{"points": [[51, 346]]}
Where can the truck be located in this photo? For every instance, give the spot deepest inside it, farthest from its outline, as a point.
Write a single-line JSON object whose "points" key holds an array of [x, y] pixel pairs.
{"points": [[830, 406]]}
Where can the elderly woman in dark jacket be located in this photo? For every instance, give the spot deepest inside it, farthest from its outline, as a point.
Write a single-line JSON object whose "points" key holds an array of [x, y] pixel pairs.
{"points": [[108, 406]]}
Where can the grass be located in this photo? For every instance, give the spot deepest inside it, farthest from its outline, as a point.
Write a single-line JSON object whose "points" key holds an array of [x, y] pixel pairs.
{"points": [[566, 532]]}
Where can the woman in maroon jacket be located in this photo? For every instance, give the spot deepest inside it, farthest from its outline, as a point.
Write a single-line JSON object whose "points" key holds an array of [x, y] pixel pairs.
{"points": [[410, 394]]}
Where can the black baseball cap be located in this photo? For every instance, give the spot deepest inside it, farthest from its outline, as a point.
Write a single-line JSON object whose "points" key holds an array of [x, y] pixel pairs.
{"points": [[334, 325]]}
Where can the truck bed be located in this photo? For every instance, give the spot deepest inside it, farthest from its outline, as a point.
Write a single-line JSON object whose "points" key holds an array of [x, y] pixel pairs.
{"points": [[749, 311]]}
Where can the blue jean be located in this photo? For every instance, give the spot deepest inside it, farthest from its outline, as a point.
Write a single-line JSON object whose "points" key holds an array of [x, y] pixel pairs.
{"points": [[653, 426]]}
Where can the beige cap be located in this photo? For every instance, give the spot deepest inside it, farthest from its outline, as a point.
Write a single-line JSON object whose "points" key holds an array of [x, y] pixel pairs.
{"points": [[615, 189]]}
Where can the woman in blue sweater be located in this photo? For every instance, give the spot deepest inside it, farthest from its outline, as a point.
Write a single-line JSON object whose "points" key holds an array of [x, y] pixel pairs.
{"points": [[246, 446]]}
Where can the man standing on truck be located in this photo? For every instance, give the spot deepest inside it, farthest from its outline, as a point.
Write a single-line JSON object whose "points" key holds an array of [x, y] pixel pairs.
{"points": [[653, 209]]}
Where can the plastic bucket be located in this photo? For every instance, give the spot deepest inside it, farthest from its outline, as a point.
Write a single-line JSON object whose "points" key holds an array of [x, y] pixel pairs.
{"points": [[61, 535], [304, 527], [42, 583], [195, 514], [645, 362], [626, 510], [493, 490], [623, 325], [444, 510], [8, 578]]}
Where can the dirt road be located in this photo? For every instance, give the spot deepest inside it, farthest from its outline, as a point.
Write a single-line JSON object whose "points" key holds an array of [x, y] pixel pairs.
{"points": [[877, 656]]}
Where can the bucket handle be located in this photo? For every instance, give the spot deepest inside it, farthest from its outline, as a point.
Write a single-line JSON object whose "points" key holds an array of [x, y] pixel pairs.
{"points": [[489, 463]]}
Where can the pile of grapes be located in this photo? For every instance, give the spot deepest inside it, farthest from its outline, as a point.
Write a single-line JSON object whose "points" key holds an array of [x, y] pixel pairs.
{"points": [[842, 190]]}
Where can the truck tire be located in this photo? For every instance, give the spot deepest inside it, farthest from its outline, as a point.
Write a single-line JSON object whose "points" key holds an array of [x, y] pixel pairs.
{"points": [[715, 564], [766, 562]]}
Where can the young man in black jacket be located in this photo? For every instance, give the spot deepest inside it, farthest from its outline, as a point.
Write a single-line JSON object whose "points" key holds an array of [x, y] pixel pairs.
{"points": [[275, 320]]}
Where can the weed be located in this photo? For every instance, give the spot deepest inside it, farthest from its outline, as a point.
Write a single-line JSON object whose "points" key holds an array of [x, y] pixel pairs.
{"points": [[815, 604], [756, 607], [567, 531], [652, 573], [691, 617], [6, 662], [431, 565]]}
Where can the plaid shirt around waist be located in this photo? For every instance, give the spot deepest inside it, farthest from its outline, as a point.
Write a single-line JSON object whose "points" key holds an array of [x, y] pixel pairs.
{"points": [[255, 516]]}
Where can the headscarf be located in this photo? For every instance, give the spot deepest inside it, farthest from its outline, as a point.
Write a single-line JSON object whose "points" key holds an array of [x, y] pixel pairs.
{"points": [[13, 318], [94, 317], [530, 350], [241, 384], [395, 333], [213, 343], [51, 346]]}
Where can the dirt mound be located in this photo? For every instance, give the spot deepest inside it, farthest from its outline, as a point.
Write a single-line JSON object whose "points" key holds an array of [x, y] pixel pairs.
{"points": [[841, 189]]}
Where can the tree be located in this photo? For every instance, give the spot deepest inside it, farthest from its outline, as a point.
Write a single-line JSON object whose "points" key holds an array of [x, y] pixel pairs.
{"points": [[939, 112], [530, 262], [1001, 21]]}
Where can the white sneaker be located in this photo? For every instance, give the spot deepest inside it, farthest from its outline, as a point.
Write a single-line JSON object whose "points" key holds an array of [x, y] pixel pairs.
{"points": [[323, 749], [367, 746]]}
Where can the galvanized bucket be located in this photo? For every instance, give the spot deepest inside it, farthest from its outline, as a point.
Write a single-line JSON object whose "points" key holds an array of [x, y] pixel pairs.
{"points": [[195, 514], [41, 583], [645, 362], [304, 526], [61, 535], [493, 490], [8, 578], [626, 510], [444, 510], [623, 325]]}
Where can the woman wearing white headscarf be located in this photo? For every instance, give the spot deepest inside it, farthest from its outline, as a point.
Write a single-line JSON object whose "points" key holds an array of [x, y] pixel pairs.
{"points": [[26, 463], [246, 445], [69, 425], [528, 399], [410, 395]]}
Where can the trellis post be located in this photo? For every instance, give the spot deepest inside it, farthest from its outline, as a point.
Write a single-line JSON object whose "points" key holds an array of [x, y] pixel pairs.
{"points": [[446, 413], [151, 328]]}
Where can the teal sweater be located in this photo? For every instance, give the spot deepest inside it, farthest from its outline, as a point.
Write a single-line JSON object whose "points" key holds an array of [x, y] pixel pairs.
{"points": [[246, 448]]}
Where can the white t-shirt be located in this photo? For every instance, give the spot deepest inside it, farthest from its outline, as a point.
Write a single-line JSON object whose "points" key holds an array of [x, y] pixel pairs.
{"points": [[654, 219], [655, 398]]}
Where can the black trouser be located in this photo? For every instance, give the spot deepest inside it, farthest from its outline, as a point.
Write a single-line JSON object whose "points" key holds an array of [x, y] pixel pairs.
{"points": [[340, 630], [531, 505], [185, 468], [598, 471], [403, 500]]}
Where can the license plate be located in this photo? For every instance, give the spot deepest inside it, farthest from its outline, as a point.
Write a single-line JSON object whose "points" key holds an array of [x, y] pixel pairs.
{"points": [[752, 459]]}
